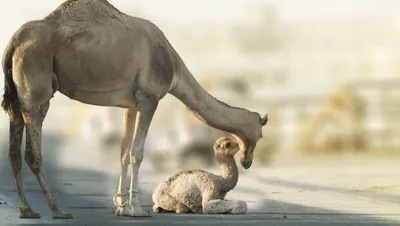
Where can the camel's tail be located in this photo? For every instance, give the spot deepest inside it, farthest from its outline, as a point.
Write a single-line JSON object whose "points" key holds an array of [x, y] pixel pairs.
{"points": [[10, 97], [11, 105]]}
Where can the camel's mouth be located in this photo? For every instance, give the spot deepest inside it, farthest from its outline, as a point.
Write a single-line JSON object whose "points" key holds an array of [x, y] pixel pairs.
{"points": [[247, 159], [246, 163], [247, 153]]}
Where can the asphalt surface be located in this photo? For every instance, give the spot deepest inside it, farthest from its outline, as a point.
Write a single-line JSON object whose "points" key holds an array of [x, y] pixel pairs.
{"points": [[324, 191]]}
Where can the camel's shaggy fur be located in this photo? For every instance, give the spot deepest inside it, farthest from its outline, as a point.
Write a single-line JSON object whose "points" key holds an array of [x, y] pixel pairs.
{"points": [[199, 191]]}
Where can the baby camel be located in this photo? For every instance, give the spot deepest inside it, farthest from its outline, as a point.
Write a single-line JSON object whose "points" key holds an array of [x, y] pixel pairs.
{"points": [[198, 191]]}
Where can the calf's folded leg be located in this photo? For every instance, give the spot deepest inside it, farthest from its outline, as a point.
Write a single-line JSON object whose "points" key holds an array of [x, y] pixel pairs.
{"points": [[218, 206]]}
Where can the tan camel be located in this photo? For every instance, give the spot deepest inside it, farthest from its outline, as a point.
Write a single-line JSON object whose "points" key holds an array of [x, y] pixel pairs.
{"points": [[95, 54], [199, 191]]}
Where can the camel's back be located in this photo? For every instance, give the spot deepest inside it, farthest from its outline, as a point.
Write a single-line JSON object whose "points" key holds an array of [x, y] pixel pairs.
{"points": [[84, 13], [77, 16]]}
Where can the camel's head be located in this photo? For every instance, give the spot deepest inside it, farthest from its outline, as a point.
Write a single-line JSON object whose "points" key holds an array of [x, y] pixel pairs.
{"points": [[226, 147], [248, 137]]}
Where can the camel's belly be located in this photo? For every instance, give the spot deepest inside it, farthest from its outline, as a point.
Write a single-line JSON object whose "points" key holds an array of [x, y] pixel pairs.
{"points": [[119, 98], [96, 87]]}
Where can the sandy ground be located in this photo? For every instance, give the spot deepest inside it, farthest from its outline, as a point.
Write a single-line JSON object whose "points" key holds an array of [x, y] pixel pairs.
{"points": [[291, 191]]}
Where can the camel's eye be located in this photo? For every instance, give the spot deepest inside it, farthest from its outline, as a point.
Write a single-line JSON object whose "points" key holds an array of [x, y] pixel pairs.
{"points": [[228, 144]]}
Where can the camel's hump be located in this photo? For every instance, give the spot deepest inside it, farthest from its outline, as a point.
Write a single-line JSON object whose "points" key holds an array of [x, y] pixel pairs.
{"points": [[84, 11]]}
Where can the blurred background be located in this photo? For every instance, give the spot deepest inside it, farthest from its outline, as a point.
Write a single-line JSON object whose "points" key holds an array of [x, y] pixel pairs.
{"points": [[326, 72]]}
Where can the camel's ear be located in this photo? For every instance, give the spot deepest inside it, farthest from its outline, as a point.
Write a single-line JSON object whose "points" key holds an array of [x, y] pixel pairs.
{"points": [[264, 120]]}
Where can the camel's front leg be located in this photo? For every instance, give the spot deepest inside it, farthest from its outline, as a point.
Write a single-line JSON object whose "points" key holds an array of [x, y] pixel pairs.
{"points": [[147, 105], [33, 118], [126, 145], [219, 206]]}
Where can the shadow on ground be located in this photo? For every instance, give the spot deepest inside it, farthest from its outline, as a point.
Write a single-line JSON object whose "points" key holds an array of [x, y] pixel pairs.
{"points": [[74, 190], [88, 196]]}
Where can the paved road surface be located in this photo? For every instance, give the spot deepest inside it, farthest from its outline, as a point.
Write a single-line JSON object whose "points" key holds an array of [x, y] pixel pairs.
{"points": [[331, 191]]}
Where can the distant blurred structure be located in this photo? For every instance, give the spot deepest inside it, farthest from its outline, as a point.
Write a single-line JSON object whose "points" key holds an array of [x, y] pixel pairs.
{"points": [[338, 124]]}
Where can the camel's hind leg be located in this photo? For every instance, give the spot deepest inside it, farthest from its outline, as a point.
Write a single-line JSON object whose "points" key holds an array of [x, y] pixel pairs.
{"points": [[129, 120], [33, 78], [14, 156], [211, 205], [34, 117]]}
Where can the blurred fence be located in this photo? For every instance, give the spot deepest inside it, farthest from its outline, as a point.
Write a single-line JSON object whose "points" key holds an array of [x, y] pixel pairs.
{"points": [[380, 123], [383, 114]]}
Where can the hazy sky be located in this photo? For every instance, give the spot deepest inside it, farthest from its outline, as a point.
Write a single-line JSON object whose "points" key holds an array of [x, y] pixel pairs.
{"points": [[223, 9], [15, 12]]}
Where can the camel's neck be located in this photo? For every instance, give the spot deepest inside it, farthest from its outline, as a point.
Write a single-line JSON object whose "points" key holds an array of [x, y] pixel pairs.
{"points": [[229, 173], [207, 108]]}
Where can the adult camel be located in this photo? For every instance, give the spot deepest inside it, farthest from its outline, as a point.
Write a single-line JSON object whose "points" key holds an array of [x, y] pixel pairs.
{"points": [[93, 53]]}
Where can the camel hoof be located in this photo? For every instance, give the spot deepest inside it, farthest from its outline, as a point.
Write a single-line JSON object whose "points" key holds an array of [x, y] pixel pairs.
{"points": [[62, 215], [139, 213], [28, 214], [122, 211]]}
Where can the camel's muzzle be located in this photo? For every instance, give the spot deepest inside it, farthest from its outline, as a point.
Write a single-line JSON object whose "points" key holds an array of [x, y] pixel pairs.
{"points": [[247, 158], [246, 162], [247, 149]]}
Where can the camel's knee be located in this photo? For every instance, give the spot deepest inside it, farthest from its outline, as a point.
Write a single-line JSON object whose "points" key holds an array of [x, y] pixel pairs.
{"points": [[125, 149], [125, 160], [137, 157]]}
